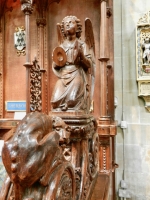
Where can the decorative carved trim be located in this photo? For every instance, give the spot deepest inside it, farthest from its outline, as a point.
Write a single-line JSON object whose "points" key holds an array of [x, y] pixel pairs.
{"points": [[104, 158], [93, 156], [66, 149], [46, 68], [35, 88]]}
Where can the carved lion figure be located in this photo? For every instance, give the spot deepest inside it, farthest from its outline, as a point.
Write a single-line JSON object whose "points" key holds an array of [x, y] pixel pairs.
{"points": [[33, 152]]}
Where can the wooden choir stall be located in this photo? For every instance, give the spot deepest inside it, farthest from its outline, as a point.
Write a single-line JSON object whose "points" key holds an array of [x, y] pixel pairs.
{"points": [[57, 68]]}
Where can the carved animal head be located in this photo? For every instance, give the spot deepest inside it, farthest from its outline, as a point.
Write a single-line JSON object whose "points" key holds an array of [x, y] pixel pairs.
{"points": [[30, 152]]}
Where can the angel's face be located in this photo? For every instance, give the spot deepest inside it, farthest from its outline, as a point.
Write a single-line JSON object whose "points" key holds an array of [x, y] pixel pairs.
{"points": [[70, 26]]}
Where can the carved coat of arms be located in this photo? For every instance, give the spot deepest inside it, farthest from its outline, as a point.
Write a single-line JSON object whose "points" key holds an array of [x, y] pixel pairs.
{"points": [[19, 40]]}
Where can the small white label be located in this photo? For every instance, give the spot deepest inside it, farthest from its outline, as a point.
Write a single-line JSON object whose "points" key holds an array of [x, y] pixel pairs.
{"points": [[19, 115], [1, 146]]}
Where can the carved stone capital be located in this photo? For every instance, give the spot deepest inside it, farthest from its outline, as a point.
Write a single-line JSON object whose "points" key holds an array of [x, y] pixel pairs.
{"points": [[41, 22], [26, 6]]}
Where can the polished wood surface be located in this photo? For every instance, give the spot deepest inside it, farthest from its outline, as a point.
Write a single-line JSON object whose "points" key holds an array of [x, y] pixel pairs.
{"points": [[15, 83]]}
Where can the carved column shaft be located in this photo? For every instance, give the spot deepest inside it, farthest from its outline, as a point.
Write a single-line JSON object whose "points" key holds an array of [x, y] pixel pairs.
{"points": [[27, 9], [103, 60], [106, 128], [41, 22], [27, 64], [75, 152], [28, 48]]}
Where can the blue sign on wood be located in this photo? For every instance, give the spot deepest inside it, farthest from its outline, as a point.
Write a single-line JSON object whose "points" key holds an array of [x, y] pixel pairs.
{"points": [[16, 106]]}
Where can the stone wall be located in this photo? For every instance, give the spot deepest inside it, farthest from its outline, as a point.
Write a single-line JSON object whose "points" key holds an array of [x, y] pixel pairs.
{"points": [[134, 158]]}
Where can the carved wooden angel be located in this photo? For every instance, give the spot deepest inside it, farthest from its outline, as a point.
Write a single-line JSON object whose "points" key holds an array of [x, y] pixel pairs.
{"points": [[74, 65]]}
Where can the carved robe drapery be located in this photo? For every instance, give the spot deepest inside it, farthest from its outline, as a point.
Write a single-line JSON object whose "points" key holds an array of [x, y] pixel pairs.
{"points": [[72, 86]]}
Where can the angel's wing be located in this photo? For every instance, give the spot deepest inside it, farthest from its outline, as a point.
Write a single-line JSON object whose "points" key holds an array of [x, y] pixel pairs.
{"points": [[60, 35], [89, 36], [90, 51]]}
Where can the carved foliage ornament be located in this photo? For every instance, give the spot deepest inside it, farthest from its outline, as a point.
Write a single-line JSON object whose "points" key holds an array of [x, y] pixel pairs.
{"points": [[35, 87]]}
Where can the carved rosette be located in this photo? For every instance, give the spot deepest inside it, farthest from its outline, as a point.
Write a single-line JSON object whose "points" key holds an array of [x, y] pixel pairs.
{"points": [[35, 88]]}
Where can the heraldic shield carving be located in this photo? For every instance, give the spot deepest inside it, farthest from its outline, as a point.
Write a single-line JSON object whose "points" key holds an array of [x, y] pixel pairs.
{"points": [[19, 40]]}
